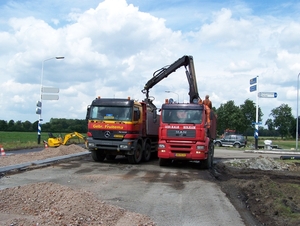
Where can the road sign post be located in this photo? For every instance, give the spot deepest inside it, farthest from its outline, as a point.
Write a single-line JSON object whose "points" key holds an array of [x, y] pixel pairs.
{"points": [[254, 87], [44, 96]]}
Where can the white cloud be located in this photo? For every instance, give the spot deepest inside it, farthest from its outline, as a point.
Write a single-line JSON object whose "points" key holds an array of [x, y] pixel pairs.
{"points": [[112, 48]]}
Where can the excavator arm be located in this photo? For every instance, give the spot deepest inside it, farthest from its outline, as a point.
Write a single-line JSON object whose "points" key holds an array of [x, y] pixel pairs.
{"points": [[72, 135], [188, 63]]}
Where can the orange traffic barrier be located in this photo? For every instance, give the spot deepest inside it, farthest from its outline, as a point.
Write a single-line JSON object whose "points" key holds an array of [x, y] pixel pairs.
{"points": [[45, 144], [2, 151]]}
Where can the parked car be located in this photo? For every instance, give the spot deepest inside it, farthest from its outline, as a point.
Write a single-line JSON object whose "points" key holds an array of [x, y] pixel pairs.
{"points": [[232, 140]]}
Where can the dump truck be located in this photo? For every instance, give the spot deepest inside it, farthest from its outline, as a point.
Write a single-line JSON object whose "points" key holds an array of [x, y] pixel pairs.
{"points": [[122, 127], [186, 130]]}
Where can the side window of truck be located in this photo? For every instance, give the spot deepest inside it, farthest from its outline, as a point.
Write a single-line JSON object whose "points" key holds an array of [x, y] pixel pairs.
{"points": [[136, 114]]}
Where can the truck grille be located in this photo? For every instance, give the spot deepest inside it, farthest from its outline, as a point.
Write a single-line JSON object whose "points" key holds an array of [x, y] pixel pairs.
{"points": [[171, 133], [104, 134]]}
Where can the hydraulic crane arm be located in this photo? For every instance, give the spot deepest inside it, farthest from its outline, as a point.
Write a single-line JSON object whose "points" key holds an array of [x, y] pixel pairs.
{"points": [[186, 61]]}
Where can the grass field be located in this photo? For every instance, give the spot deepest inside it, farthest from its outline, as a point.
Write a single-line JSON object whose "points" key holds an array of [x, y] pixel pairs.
{"points": [[282, 143], [19, 140]]}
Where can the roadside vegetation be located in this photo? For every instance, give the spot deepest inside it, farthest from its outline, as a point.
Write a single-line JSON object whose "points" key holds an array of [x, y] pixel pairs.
{"points": [[280, 127], [23, 140], [19, 140]]}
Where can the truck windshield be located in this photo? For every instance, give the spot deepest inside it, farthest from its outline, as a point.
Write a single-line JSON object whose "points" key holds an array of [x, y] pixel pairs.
{"points": [[116, 113], [182, 116]]}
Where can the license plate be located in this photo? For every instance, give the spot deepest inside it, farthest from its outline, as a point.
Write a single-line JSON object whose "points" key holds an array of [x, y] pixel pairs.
{"points": [[180, 155]]}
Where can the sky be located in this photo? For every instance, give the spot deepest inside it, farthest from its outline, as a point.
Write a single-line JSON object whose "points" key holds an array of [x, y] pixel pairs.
{"points": [[111, 49]]}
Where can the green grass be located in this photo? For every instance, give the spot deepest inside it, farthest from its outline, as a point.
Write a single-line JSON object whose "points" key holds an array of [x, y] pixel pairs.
{"points": [[19, 140], [282, 143]]}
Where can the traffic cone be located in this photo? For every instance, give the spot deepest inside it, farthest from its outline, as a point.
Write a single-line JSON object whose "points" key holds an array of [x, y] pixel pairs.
{"points": [[2, 151], [45, 144]]}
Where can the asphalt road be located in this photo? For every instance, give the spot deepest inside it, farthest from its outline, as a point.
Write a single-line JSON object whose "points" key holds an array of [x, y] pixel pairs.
{"points": [[177, 195]]}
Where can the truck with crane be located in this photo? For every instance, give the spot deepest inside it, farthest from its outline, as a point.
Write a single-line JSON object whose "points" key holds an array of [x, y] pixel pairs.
{"points": [[122, 127], [186, 130]]}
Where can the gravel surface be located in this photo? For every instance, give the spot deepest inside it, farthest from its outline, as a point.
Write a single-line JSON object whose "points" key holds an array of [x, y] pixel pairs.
{"points": [[54, 204], [8, 160]]}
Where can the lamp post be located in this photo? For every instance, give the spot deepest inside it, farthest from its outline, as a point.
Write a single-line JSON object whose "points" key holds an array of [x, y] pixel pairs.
{"points": [[168, 91], [297, 113], [39, 103]]}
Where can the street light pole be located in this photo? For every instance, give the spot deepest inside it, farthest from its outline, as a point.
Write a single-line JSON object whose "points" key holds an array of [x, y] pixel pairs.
{"points": [[297, 113], [168, 91], [39, 104]]}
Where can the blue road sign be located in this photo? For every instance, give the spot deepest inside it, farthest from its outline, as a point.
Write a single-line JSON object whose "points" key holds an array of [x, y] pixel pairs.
{"points": [[258, 123], [252, 81], [252, 88]]}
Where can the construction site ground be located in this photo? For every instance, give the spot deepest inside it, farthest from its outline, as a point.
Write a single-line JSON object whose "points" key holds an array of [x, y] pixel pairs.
{"points": [[264, 189], [267, 187]]}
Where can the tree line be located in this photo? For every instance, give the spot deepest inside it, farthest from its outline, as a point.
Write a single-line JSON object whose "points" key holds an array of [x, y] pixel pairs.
{"points": [[241, 118], [229, 116], [55, 125]]}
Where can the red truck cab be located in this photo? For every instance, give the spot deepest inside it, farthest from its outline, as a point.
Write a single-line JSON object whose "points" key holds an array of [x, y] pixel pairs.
{"points": [[186, 132]]}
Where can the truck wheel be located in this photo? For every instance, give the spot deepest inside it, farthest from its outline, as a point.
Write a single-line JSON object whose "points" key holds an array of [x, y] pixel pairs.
{"points": [[208, 163], [98, 156], [164, 162], [147, 153], [111, 157], [137, 155]]}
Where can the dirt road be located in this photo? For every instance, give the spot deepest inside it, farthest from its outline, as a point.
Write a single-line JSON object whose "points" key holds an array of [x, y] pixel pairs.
{"points": [[177, 195], [83, 192]]}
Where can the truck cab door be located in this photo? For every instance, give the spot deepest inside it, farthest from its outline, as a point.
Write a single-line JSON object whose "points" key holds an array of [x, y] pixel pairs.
{"points": [[136, 114]]}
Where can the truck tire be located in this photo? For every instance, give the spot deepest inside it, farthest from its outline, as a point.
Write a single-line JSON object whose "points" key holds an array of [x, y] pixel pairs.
{"points": [[137, 155], [147, 153], [164, 162], [98, 156], [208, 163]]}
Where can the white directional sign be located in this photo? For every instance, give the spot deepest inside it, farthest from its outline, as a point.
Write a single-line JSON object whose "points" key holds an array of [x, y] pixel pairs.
{"points": [[49, 97], [50, 90], [267, 94]]}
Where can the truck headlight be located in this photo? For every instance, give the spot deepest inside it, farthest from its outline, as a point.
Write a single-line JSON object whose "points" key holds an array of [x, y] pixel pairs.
{"points": [[161, 146], [123, 146], [91, 145], [200, 147]]}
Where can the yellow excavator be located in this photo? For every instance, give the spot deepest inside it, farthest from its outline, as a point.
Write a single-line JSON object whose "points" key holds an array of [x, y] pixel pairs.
{"points": [[57, 141]]}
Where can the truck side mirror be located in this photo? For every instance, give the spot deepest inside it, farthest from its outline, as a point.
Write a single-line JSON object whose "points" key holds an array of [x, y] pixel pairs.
{"points": [[136, 115], [88, 112]]}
